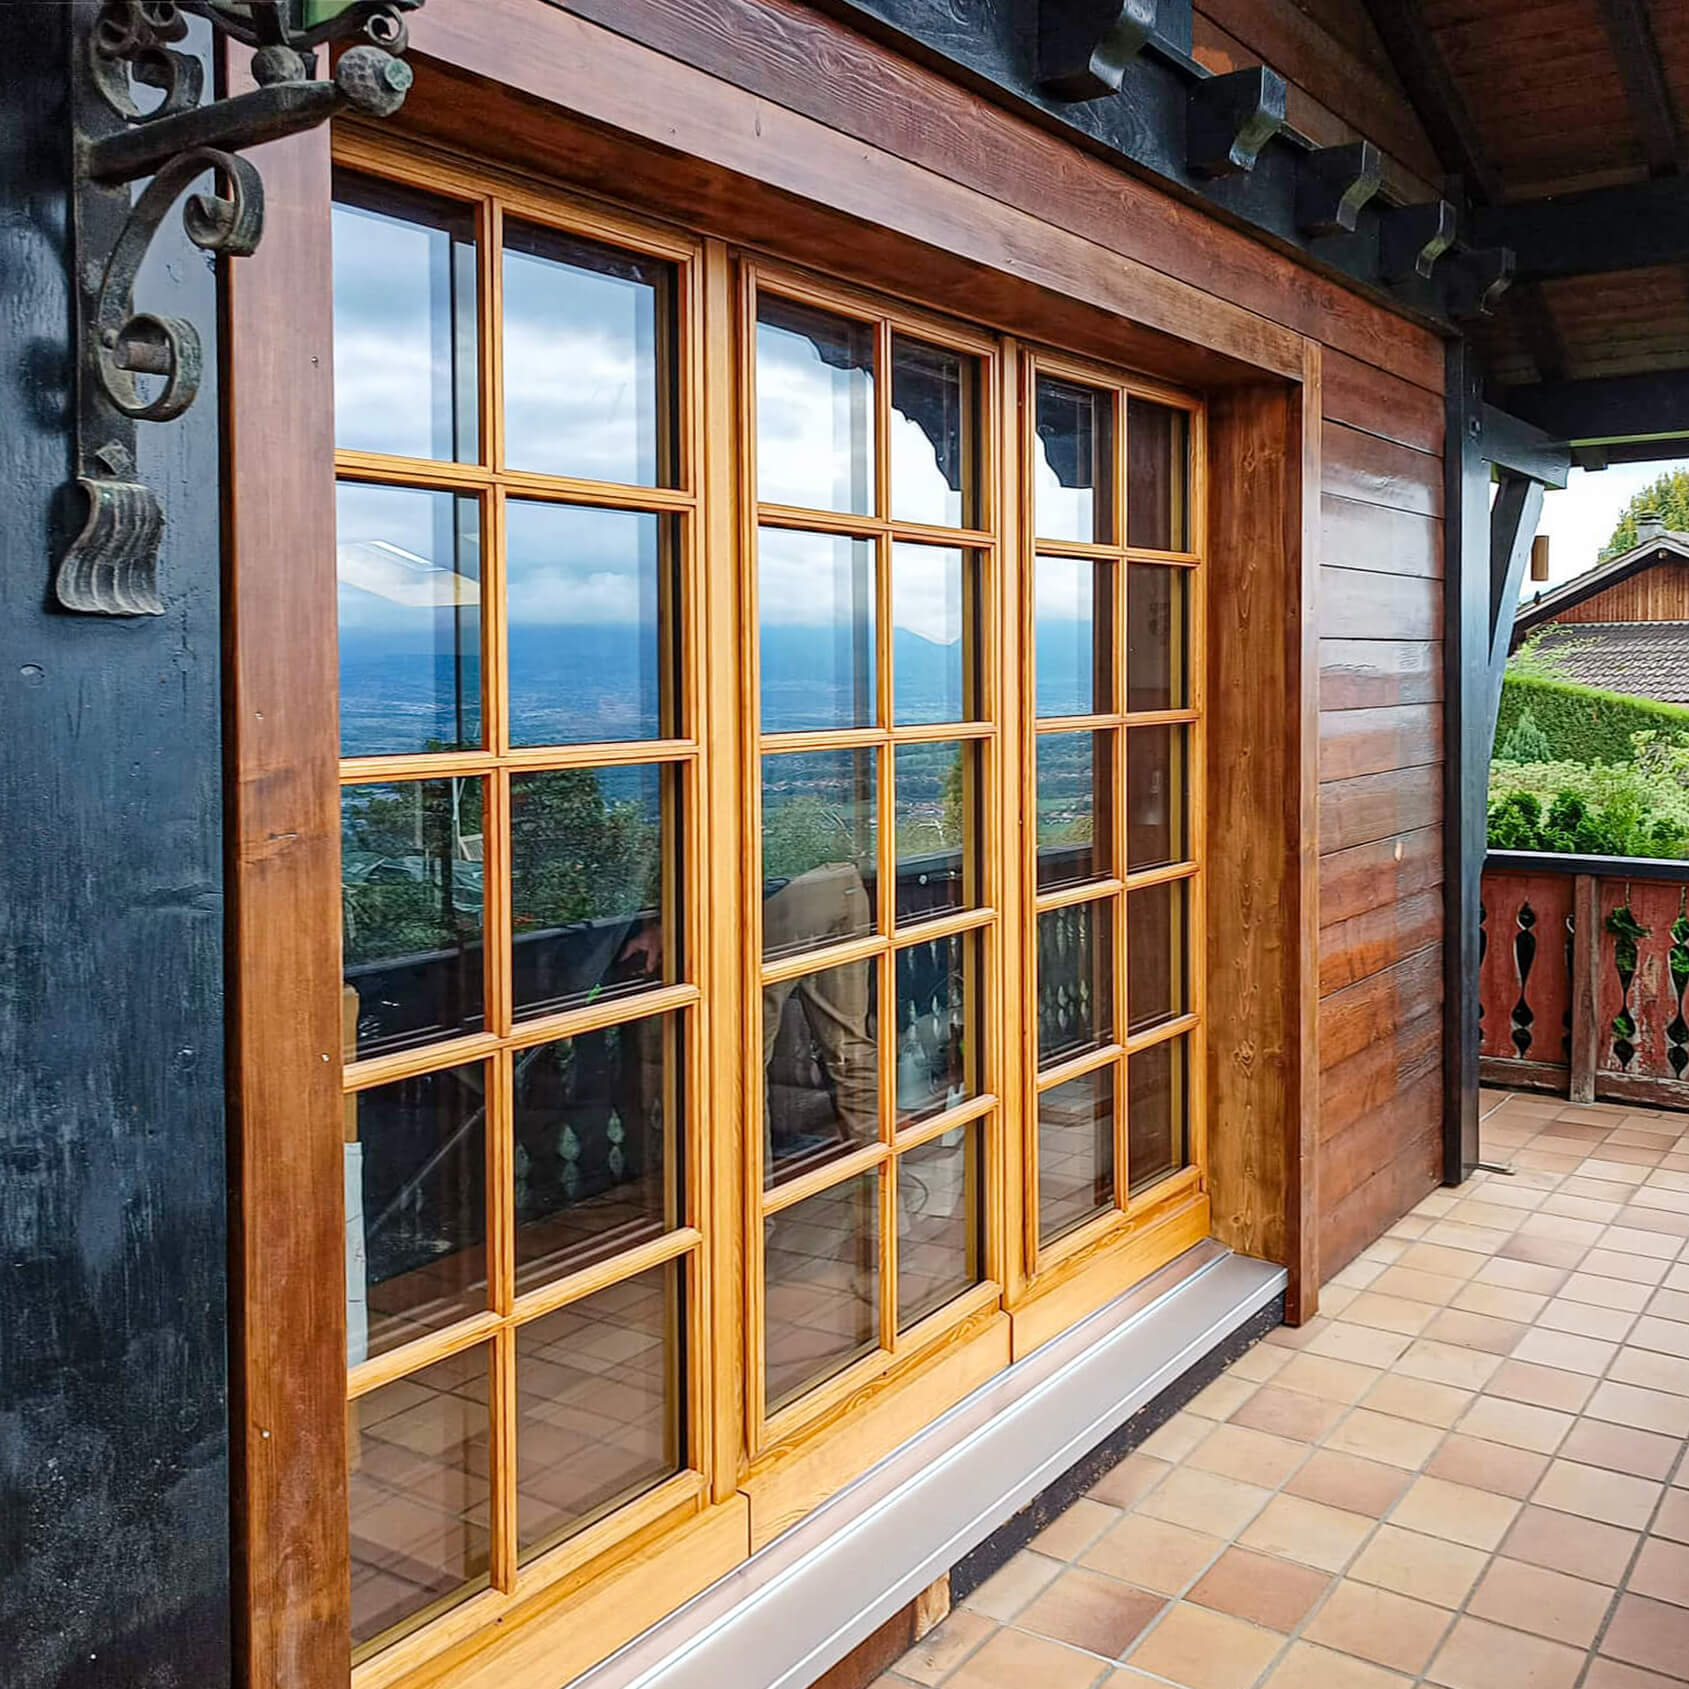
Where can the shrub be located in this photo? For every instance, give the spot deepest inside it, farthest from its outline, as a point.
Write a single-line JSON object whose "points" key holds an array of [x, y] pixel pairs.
{"points": [[1632, 809], [1581, 724], [1526, 742]]}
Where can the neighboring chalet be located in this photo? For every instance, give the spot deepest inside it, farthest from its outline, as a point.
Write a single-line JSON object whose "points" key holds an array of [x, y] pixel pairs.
{"points": [[1624, 625]]}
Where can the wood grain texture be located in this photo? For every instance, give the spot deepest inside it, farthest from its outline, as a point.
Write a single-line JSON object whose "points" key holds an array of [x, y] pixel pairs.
{"points": [[1375, 401], [1368, 1079], [1358, 674], [1363, 466], [1355, 535], [1357, 604], [289, 1420], [1367, 944], [1659, 594], [1416, 1169], [1370, 876], [1357, 742], [1353, 1156], [1372, 1011], [1378, 806]]}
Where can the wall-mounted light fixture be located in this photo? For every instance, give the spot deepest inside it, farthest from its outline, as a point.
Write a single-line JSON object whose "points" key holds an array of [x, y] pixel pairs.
{"points": [[137, 366]]}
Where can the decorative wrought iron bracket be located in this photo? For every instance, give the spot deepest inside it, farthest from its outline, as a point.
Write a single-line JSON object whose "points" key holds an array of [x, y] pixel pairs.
{"points": [[134, 366]]}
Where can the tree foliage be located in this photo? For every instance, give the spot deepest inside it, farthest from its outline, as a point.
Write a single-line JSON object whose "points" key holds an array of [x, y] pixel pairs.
{"points": [[1669, 495], [1581, 723]]}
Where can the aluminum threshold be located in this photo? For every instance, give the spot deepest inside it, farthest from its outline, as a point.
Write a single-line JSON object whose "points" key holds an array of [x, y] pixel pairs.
{"points": [[800, 1604]]}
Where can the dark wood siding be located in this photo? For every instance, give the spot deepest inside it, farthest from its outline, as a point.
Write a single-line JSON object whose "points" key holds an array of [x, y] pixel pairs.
{"points": [[1659, 594]]}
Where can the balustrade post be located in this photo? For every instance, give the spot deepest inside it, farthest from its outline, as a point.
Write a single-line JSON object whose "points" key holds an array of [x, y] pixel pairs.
{"points": [[1585, 986]]}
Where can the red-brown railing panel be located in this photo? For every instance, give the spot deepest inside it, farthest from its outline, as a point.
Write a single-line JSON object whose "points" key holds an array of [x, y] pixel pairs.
{"points": [[1525, 978], [1645, 931]]}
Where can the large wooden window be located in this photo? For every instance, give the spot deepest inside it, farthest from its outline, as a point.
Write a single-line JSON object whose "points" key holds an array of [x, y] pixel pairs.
{"points": [[905, 654]]}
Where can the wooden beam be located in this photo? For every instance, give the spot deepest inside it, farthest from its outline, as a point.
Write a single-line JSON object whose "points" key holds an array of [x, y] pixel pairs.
{"points": [[1514, 515], [1639, 226], [1528, 306], [1637, 56], [1514, 445], [1608, 409]]}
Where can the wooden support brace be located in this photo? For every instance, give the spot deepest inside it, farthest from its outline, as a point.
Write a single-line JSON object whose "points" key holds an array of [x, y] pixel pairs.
{"points": [[1084, 48], [1230, 118], [1332, 186], [1414, 237]]}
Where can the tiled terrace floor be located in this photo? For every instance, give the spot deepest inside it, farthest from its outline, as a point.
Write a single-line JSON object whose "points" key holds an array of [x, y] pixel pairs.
{"points": [[1468, 1471]]}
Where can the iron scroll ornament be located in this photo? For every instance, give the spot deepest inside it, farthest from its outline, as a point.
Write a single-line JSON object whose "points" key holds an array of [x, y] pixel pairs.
{"points": [[136, 366]]}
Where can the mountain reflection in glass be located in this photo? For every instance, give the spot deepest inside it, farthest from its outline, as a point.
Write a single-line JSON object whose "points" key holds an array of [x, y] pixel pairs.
{"points": [[409, 565], [590, 912], [933, 617], [596, 1124], [1073, 779], [590, 595], [816, 603], [1072, 622], [1073, 454], [1157, 476], [411, 913], [937, 1052], [404, 322], [588, 359], [814, 407], [934, 435], [819, 827]]}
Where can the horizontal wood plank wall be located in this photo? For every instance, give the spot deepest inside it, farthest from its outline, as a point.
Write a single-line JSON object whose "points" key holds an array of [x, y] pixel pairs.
{"points": [[1659, 594]]}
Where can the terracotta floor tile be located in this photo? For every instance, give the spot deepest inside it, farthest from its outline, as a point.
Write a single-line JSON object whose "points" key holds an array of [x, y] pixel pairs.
{"points": [[1670, 1305], [1647, 1410], [1610, 1674], [1204, 1501], [1619, 1448], [1435, 1258], [1628, 1269], [1012, 1585], [1260, 1588], [1543, 1386], [1347, 1482], [1649, 1370], [1388, 1313], [1585, 1319], [1582, 1548], [1390, 1630], [1382, 1436], [1454, 1234], [1447, 1363], [1309, 1667], [1330, 1380], [1417, 1398], [1487, 1466], [1426, 1568], [1662, 1572], [1237, 1451], [1520, 1424], [943, 1649], [1606, 1292], [1545, 1251], [1499, 1302], [1174, 1440], [1591, 1492], [1222, 1398], [1566, 1352], [1480, 1655], [1308, 1531], [1627, 1236], [1152, 1553], [1135, 1475], [1288, 1413], [1541, 1601], [1433, 1290], [1672, 1520], [1258, 1364], [1650, 1634], [1086, 1610], [1521, 1275], [1201, 1649], [1366, 1345], [1072, 1531], [1013, 1659], [1456, 1512], [1476, 1331]]}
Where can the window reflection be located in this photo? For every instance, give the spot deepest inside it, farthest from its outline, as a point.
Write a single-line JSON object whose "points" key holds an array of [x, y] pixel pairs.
{"points": [[933, 645], [1074, 453], [938, 797], [1156, 956], [404, 322], [1071, 636], [588, 359], [816, 605], [940, 1230], [1157, 476], [1156, 821], [1155, 638], [416, 1224], [590, 911], [411, 912], [815, 408], [1075, 980], [409, 565], [938, 982], [1074, 777], [1157, 1113], [597, 1145], [934, 402], [591, 599], [819, 830], [1075, 1153]]}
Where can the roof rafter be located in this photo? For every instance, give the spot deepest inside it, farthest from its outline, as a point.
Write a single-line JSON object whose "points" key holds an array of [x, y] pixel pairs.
{"points": [[1631, 35]]}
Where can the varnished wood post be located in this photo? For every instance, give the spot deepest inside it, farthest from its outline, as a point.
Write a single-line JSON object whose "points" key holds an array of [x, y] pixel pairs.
{"points": [[1585, 985], [287, 1270]]}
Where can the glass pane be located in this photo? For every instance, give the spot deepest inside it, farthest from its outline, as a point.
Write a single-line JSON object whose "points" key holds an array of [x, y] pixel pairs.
{"points": [[1075, 776], [1155, 797], [592, 597], [1157, 476], [1157, 1112], [934, 435], [1157, 955], [598, 1405], [821, 1272], [1072, 663], [939, 990], [410, 904], [940, 1237], [597, 1127], [409, 564], [592, 915], [1075, 1153], [1074, 454], [404, 322], [819, 833], [1075, 980], [1155, 638], [933, 616], [419, 1452], [416, 1208], [815, 408], [589, 359], [821, 1068], [938, 794], [816, 607]]}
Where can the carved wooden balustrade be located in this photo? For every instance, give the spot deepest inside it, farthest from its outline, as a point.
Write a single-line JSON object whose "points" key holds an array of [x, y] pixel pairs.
{"points": [[1584, 975]]}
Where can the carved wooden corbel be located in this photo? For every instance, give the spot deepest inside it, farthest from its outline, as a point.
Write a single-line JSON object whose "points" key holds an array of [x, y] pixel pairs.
{"points": [[1333, 184], [1414, 237], [1230, 118]]}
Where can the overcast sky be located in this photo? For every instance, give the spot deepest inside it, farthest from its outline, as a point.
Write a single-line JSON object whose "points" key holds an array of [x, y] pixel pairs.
{"points": [[1579, 520]]}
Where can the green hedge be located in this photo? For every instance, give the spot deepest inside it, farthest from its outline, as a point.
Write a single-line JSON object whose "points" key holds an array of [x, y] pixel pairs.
{"points": [[1583, 723]]}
